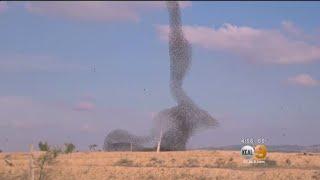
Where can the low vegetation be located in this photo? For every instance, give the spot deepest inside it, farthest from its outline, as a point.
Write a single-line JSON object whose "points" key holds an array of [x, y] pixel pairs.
{"points": [[124, 162], [43, 146], [192, 162], [56, 164], [92, 147], [44, 161], [69, 148], [155, 162]]}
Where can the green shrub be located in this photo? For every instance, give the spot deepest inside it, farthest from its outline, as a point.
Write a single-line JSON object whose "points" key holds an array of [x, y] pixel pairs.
{"points": [[43, 146], [69, 147], [43, 161]]}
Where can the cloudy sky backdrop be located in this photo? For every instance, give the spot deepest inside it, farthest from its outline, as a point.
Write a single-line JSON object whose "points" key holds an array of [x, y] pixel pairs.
{"points": [[73, 71]]}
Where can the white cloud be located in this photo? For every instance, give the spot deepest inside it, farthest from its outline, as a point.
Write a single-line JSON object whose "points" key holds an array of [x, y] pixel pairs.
{"points": [[297, 33], [303, 80], [18, 112], [87, 97], [84, 106], [87, 128], [25, 120], [259, 45], [36, 63], [290, 28], [97, 10], [3, 6]]}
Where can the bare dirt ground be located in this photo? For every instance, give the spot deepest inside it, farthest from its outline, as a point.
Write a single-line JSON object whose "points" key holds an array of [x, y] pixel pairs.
{"points": [[164, 165]]}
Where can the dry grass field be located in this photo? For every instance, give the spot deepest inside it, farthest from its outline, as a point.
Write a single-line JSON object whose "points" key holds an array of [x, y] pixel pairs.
{"points": [[164, 165]]}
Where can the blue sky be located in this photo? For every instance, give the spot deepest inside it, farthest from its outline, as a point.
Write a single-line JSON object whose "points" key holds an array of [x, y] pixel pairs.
{"points": [[73, 71]]}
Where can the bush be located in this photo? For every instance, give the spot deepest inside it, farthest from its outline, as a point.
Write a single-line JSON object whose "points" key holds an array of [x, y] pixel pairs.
{"points": [[288, 162], [44, 161], [191, 163], [43, 146], [55, 151], [92, 147], [124, 162], [220, 162], [69, 147], [155, 162]]}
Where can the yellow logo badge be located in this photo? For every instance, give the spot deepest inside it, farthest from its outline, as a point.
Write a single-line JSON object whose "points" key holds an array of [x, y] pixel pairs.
{"points": [[260, 151]]}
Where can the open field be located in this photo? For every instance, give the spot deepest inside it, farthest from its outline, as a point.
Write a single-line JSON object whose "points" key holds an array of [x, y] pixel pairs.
{"points": [[165, 165]]}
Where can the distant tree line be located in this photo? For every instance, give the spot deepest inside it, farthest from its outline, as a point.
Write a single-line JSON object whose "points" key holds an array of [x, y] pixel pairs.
{"points": [[68, 147]]}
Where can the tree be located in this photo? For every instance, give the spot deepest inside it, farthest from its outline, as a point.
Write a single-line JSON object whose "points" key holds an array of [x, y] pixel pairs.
{"points": [[43, 146], [69, 147], [92, 147]]}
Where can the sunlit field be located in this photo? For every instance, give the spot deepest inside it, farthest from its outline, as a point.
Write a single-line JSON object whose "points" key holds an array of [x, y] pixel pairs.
{"points": [[163, 165]]}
